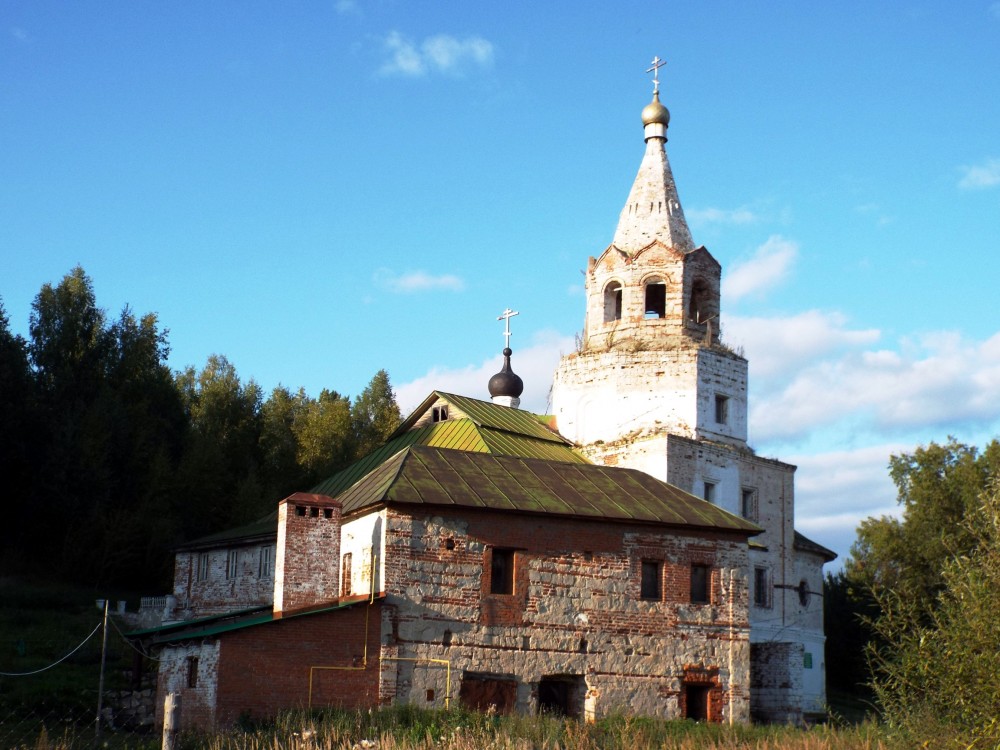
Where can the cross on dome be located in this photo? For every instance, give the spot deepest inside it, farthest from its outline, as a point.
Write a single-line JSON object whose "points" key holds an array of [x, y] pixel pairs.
{"points": [[505, 317], [657, 64]]}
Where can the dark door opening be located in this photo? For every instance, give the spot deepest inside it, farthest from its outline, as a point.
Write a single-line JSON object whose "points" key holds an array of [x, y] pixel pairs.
{"points": [[553, 697], [696, 702]]}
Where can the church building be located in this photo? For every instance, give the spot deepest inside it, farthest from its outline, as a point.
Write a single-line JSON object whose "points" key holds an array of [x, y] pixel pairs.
{"points": [[628, 553]]}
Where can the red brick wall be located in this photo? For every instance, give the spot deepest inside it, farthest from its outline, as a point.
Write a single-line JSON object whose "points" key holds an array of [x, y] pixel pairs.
{"points": [[307, 570], [265, 669]]}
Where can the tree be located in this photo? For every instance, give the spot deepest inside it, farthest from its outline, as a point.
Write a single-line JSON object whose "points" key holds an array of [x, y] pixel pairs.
{"points": [[939, 486], [325, 441], [375, 414], [938, 671]]}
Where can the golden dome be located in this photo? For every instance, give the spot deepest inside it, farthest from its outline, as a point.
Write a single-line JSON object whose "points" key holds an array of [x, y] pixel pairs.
{"points": [[654, 112]]}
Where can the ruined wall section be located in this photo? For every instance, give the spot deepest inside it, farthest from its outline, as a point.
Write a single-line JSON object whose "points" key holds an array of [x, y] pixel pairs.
{"points": [[223, 579], [190, 670], [575, 612]]}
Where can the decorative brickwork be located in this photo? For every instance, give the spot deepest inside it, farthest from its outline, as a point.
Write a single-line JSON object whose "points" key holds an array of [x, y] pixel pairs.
{"points": [[307, 570]]}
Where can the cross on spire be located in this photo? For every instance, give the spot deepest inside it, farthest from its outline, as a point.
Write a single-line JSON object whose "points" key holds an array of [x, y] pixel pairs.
{"points": [[657, 64], [505, 317]]}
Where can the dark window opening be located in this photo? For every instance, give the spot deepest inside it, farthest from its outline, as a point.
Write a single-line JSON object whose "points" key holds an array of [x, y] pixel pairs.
{"points": [[700, 580], [612, 302], [232, 565], [582, 646], [439, 413], [449, 544], [749, 504], [446, 639], [656, 300], [721, 409], [803, 593], [314, 512], [192, 675], [696, 702], [327, 512], [430, 694], [708, 491], [502, 571], [561, 695], [698, 308], [650, 583], [807, 660], [203, 563], [761, 587], [300, 510]]}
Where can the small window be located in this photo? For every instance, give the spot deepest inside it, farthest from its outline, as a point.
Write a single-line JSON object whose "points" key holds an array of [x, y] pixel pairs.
{"points": [[650, 584], [192, 672], [708, 491], [439, 413], [700, 580], [803, 591], [502, 571], [446, 639], [721, 409], [807, 660], [233, 565], [203, 566], [612, 302], [656, 299], [761, 587], [748, 506], [265, 563], [346, 588]]}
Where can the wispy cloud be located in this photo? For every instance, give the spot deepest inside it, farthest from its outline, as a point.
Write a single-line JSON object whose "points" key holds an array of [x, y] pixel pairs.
{"points": [[534, 364], [417, 281], [937, 380], [441, 53], [702, 217], [769, 266], [979, 176]]}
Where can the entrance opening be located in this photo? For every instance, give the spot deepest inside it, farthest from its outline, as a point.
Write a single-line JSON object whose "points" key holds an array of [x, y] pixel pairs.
{"points": [[696, 702], [561, 695], [486, 692]]}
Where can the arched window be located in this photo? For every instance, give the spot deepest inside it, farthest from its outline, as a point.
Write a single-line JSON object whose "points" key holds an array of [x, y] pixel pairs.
{"points": [[699, 307], [612, 302], [656, 298]]}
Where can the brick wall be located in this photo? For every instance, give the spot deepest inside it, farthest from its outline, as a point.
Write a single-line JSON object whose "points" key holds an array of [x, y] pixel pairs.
{"points": [[223, 588], [307, 565], [575, 612]]}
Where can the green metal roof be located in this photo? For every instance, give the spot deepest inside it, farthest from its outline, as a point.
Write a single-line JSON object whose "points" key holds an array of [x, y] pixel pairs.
{"points": [[486, 428], [422, 475], [261, 528]]}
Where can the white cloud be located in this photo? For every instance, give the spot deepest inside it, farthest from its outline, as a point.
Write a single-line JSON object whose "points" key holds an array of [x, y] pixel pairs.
{"points": [[979, 176], [440, 53], [417, 281], [534, 364], [937, 380], [769, 266], [700, 217], [783, 344]]}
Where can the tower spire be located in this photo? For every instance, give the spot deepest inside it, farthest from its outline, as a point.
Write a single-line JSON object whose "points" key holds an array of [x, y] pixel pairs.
{"points": [[653, 210]]}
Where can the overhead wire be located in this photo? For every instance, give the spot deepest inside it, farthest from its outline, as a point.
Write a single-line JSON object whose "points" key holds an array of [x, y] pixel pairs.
{"points": [[55, 663]]}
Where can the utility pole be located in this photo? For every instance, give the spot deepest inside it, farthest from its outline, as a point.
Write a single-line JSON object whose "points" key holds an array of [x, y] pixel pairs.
{"points": [[100, 682]]}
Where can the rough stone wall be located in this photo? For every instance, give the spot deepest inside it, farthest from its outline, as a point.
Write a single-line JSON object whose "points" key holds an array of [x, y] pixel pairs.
{"points": [[776, 682], [575, 613], [307, 565], [198, 703], [809, 569], [220, 591]]}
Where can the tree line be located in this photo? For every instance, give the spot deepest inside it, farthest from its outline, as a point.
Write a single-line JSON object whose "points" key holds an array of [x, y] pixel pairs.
{"points": [[109, 458], [913, 619]]}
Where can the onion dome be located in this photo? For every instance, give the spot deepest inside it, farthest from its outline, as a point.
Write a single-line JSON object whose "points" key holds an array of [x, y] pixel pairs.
{"points": [[506, 386], [655, 112]]}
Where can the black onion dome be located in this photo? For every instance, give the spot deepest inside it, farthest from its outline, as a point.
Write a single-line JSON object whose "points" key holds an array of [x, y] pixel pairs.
{"points": [[505, 382]]}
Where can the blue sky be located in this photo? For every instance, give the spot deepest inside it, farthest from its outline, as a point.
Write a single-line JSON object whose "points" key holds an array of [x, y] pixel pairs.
{"points": [[323, 189]]}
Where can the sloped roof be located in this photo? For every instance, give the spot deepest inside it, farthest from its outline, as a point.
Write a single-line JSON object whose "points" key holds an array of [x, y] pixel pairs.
{"points": [[805, 544], [422, 475], [485, 428], [262, 528]]}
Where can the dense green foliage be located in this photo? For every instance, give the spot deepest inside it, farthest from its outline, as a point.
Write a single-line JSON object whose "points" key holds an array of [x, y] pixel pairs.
{"points": [[110, 459]]}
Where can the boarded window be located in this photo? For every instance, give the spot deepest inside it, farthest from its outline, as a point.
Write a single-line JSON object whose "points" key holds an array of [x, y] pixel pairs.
{"points": [[650, 585], [700, 580], [485, 692], [502, 571], [345, 576]]}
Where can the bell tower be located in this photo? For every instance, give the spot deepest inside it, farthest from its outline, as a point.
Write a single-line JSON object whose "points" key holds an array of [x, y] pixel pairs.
{"points": [[650, 361]]}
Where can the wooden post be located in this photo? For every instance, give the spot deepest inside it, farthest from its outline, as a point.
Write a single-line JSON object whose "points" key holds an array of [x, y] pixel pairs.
{"points": [[171, 720]]}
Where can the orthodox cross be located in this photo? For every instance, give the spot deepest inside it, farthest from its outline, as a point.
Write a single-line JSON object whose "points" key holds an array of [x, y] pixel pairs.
{"points": [[657, 64], [505, 317]]}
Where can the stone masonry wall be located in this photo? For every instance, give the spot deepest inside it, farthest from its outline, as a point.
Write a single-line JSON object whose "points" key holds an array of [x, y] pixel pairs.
{"points": [[223, 589], [575, 613]]}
